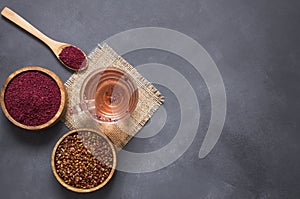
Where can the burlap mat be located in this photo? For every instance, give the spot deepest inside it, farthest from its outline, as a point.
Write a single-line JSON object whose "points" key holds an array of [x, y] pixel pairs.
{"points": [[149, 98]]}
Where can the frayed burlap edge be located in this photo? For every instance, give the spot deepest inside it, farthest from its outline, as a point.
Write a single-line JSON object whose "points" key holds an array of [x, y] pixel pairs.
{"points": [[120, 133]]}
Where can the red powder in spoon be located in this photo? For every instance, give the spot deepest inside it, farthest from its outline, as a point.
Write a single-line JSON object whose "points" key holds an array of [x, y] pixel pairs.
{"points": [[73, 57], [32, 98]]}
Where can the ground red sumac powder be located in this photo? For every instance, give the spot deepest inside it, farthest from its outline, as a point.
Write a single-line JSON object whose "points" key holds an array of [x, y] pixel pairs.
{"points": [[32, 98], [73, 57]]}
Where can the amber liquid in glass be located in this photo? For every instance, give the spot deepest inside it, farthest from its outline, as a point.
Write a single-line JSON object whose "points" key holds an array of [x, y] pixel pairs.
{"points": [[116, 95]]}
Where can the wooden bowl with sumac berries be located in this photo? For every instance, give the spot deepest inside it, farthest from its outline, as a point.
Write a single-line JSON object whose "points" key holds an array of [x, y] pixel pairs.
{"points": [[83, 160]]}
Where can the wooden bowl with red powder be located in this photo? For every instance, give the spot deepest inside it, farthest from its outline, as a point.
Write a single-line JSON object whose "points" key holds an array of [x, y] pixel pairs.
{"points": [[33, 98]]}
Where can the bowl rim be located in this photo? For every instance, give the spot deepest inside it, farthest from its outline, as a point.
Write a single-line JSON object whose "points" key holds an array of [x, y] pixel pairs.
{"points": [[81, 190], [63, 97]]}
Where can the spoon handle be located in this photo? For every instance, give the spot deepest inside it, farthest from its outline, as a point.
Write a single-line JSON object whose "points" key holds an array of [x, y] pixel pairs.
{"points": [[17, 19]]}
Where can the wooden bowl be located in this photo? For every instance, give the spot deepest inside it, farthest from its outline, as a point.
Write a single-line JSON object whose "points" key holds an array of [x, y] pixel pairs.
{"points": [[82, 190], [63, 94]]}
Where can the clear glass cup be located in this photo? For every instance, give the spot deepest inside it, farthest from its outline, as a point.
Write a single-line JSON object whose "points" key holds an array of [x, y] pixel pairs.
{"points": [[108, 95]]}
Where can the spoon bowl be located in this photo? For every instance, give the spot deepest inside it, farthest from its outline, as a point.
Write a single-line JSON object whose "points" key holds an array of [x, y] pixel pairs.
{"points": [[56, 46]]}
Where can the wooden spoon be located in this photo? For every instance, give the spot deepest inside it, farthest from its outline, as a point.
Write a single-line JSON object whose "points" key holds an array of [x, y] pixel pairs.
{"points": [[55, 46]]}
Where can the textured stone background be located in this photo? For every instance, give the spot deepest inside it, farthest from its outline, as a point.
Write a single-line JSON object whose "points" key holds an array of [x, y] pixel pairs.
{"points": [[255, 45]]}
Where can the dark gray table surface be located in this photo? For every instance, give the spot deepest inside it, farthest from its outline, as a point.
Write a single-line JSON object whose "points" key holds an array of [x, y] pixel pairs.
{"points": [[255, 45]]}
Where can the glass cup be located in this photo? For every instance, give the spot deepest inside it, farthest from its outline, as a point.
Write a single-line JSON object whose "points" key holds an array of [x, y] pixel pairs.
{"points": [[108, 95]]}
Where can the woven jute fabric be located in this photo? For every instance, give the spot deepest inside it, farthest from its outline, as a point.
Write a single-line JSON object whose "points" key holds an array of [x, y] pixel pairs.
{"points": [[121, 132]]}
